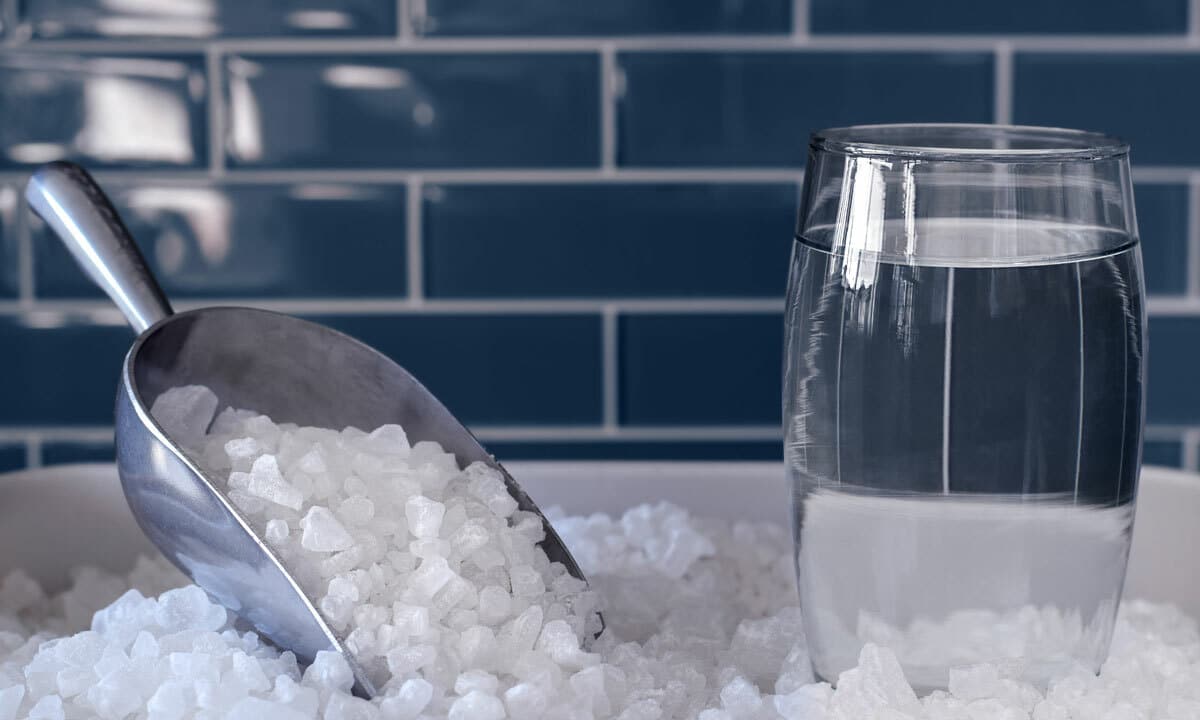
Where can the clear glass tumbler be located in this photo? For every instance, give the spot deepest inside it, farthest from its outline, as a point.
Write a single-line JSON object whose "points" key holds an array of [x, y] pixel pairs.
{"points": [[963, 396]]}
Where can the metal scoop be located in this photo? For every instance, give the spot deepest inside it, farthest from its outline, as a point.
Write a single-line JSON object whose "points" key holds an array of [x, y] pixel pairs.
{"points": [[290, 369]]}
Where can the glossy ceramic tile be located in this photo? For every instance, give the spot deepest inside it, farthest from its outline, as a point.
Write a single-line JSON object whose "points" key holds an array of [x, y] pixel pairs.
{"points": [[103, 111], [1173, 396], [700, 369], [642, 240], [474, 110], [1015, 16], [757, 108], [1163, 452], [12, 457], [1162, 213], [1143, 98], [300, 240], [206, 18], [59, 370], [609, 17], [496, 370]]}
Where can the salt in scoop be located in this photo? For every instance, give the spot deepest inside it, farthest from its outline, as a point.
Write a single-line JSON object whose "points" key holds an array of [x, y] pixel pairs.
{"points": [[290, 369]]}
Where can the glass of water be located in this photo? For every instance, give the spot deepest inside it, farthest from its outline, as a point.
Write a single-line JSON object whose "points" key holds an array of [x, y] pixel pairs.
{"points": [[963, 396]]}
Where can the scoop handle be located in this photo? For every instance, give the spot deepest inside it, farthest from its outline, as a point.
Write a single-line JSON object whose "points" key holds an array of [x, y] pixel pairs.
{"points": [[73, 205]]}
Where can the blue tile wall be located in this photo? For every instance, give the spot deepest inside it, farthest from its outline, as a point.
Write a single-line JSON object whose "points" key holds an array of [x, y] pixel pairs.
{"points": [[738, 108], [612, 17], [1163, 452], [104, 110], [608, 240], [1019, 16], [570, 219], [296, 240], [1142, 97], [676, 369], [420, 111], [1163, 226], [219, 18]]}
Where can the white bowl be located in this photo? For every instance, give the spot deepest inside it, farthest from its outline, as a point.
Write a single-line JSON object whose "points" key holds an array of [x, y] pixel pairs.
{"points": [[59, 517]]}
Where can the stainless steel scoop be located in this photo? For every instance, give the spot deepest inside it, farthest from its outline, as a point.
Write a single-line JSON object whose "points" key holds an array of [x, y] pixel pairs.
{"points": [[290, 369]]}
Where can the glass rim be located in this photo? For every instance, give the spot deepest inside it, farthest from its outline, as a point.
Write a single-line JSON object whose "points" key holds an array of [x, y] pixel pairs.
{"points": [[936, 142]]}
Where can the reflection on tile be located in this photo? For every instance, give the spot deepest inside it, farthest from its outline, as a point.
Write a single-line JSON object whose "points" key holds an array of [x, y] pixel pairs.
{"points": [[1163, 452], [1162, 215], [1150, 109], [1173, 392], [311, 240], [1012, 16], [735, 450], [700, 369], [10, 250], [757, 108], [645, 240], [495, 370], [478, 110], [206, 18], [608, 17], [60, 452], [103, 111], [59, 370]]}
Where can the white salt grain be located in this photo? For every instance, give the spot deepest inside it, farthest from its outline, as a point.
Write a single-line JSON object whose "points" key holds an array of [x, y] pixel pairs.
{"points": [[323, 532]]}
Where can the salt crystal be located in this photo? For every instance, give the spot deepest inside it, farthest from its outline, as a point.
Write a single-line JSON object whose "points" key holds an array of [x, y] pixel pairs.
{"points": [[322, 531], [252, 708], [476, 705], [10, 700], [430, 577], [189, 608], [357, 510], [19, 591], [49, 707], [525, 700], [409, 701], [277, 532], [267, 483], [424, 516], [241, 453], [184, 412], [477, 646], [331, 670], [526, 582], [494, 604], [348, 707]]}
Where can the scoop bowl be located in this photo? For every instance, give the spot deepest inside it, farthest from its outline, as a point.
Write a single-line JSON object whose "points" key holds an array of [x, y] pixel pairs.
{"points": [[290, 369]]}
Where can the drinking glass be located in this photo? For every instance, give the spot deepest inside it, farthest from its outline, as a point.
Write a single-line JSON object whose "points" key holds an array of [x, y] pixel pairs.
{"points": [[963, 396]]}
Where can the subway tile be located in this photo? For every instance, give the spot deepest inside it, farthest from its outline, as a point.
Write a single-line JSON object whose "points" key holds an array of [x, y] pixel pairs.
{"points": [[611, 17], [12, 457], [729, 450], [10, 249], [1016, 16], [320, 240], [1162, 214], [49, 19], [104, 111], [720, 369], [1173, 396], [757, 108], [1137, 96], [59, 370], [60, 452], [643, 240], [493, 369], [413, 111], [1163, 452]]}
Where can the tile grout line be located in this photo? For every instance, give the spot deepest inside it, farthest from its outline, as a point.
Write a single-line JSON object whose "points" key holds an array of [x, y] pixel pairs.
{"points": [[1194, 20], [404, 25], [611, 90], [216, 110], [33, 451], [413, 237], [1192, 250], [610, 380], [26, 273], [782, 175], [1003, 83], [1191, 449], [681, 42], [801, 20]]}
